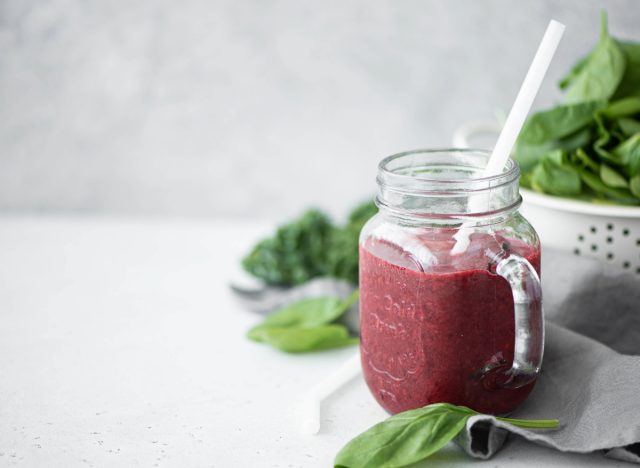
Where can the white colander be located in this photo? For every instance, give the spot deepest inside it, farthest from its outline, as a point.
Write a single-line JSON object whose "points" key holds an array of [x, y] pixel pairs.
{"points": [[609, 233]]}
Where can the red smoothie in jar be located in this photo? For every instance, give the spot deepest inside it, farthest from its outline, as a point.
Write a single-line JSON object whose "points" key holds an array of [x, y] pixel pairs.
{"points": [[431, 336]]}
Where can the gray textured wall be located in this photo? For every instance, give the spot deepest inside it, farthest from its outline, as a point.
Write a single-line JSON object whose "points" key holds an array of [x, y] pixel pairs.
{"points": [[253, 108]]}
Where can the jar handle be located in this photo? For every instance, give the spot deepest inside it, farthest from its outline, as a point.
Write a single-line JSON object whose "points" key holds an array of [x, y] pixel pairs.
{"points": [[529, 320]]}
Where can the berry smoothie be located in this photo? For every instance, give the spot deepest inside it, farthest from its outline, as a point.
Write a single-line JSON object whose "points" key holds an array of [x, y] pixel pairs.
{"points": [[441, 335]]}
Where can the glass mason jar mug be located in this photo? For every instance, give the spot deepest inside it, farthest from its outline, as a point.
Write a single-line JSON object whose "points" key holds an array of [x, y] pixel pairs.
{"points": [[450, 298]]}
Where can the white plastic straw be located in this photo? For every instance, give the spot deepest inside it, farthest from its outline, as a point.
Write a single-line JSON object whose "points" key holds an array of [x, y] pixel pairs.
{"points": [[518, 114], [524, 100], [309, 409]]}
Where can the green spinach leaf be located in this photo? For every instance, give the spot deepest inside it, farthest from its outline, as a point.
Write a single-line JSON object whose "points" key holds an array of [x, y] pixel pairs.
{"points": [[528, 156], [306, 325], [628, 154], [576, 140], [581, 157], [404, 439], [556, 176], [604, 191], [575, 71], [629, 126], [630, 84], [302, 340], [604, 141], [612, 178], [622, 108], [634, 185], [602, 72], [412, 436], [558, 122], [309, 312]]}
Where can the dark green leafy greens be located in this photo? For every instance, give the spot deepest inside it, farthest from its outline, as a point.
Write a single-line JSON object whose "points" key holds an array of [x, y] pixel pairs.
{"points": [[588, 147], [296, 252], [307, 325], [305, 248], [412, 436], [308, 247]]}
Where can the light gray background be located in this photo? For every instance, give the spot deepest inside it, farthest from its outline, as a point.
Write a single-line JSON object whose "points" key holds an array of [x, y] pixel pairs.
{"points": [[254, 108]]}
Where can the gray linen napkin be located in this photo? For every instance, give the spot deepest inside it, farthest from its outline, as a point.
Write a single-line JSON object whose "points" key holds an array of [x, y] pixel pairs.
{"points": [[593, 317], [590, 378]]}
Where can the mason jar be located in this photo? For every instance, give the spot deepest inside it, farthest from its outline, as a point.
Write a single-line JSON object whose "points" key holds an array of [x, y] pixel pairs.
{"points": [[450, 298]]}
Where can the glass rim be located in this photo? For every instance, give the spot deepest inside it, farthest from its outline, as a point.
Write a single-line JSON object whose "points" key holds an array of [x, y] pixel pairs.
{"points": [[509, 174]]}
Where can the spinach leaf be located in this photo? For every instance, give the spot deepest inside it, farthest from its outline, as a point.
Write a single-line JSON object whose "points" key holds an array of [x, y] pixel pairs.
{"points": [[306, 325], [612, 178], [528, 155], [414, 435], [556, 176], [575, 71], [300, 340], [309, 312], [629, 126], [581, 157], [575, 140], [630, 84], [605, 136], [601, 189], [404, 439], [558, 122], [634, 185], [602, 72], [628, 154], [622, 108]]}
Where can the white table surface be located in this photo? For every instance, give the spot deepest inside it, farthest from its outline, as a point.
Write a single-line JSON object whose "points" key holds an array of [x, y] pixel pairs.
{"points": [[120, 345]]}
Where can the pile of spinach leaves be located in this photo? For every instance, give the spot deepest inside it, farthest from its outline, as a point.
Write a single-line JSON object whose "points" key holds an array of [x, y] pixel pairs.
{"points": [[588, 147]]}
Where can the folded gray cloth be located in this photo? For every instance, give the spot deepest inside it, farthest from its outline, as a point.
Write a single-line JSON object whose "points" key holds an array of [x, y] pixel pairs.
{"points": [[593, 317], [590, 378]]}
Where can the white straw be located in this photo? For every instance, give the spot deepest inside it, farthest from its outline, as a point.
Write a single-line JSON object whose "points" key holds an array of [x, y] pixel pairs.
{"points": [[524, 100], [516, 117], [309, 409]]}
